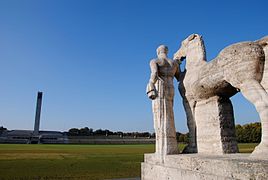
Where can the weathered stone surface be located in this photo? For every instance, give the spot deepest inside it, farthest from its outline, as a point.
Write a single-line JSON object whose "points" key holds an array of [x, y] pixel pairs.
{"points": [[238, 67], [215, 126], [204, 167], [160, 89], [206, 89]]}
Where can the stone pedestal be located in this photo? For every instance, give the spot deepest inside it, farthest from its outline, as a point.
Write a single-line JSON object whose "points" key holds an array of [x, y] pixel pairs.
{"points": [[215, 126], [203, 167]]}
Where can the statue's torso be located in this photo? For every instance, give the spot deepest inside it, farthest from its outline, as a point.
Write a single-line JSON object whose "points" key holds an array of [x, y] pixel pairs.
{"points": [[166, 70]]}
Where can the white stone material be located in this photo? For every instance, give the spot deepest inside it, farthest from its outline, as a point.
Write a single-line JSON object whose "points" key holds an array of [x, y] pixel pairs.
{"points": [[238, 67], [204, 167], [160, 89], [215, 126]]}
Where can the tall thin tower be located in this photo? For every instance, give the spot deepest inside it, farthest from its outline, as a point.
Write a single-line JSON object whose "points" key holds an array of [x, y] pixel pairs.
{"points": [[38, 113]]}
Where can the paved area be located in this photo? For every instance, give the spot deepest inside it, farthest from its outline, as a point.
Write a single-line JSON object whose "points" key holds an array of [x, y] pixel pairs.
{"points": [[126, 179]]}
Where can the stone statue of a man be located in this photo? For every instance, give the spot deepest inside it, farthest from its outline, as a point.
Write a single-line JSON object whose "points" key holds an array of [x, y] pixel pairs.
{"points": [[160, 89]]}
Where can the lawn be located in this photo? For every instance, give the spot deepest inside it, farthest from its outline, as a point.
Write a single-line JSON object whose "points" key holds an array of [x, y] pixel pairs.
{"points": [[75, 161]]}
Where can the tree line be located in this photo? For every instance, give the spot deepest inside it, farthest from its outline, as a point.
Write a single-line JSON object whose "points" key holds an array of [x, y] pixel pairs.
{"points": [[248, 133], [100, 132]]}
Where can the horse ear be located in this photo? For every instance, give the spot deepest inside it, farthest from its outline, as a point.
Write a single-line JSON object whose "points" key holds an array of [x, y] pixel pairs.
{"points": [[191, 37], [198, 35]]}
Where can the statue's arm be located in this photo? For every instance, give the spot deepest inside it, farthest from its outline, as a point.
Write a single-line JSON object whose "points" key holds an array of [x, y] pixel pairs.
{"points": [[150, 90], [154, 69]]}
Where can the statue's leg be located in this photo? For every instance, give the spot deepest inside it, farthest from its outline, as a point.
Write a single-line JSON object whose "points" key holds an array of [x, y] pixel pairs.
{"points": [[255, 93], [157, 126], [189, 107], [169, 130], [164, 125]]}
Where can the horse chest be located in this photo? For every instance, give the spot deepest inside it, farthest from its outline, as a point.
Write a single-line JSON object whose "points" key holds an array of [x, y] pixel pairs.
{"points": [[204, 91], [204, 84]]}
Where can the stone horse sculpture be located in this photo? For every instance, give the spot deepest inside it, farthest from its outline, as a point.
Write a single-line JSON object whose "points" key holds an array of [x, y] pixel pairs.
{"points": [[239, 67]]}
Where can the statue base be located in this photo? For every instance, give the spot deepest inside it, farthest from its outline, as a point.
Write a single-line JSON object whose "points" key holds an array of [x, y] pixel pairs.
{"points": [[203, 167]]}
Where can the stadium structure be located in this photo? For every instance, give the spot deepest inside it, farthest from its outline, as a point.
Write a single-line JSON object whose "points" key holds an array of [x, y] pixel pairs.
{"points": [[34, 136]]}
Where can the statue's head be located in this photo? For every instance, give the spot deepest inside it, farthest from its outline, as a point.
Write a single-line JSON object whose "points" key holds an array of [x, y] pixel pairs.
{"points": [[162, 49], [185, 44]]}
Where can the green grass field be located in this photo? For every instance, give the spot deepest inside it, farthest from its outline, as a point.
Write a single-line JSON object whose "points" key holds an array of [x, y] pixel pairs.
{"points": [[75, 161]]}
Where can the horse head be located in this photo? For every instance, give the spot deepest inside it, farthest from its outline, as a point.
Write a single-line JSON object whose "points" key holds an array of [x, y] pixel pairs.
{"points": [[190, 41]]}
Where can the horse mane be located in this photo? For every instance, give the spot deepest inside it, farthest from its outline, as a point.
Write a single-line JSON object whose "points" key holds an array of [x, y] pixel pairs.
{"points": [[197, 53], [203, 49]]}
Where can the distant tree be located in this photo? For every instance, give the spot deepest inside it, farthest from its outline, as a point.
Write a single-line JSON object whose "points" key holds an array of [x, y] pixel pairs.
{"points": [[84, 131], [2, 129], [128, 134], [239, 133], [108, 132], [143, 134], [186, 138], [90, 131], [73, 132], [120, 133], [182, 137], [146, 134], [178, 135], [248, 133], [100, 132]]}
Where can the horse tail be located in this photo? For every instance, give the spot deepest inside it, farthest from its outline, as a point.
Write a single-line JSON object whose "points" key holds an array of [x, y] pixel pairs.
{"points": [[263, 42]]}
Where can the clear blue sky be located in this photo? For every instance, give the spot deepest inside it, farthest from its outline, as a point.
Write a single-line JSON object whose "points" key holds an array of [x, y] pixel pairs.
{"points": [[91, 58]]}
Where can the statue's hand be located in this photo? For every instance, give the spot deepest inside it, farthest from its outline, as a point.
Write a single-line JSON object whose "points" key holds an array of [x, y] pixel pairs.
{"points": [[151, 91], [152, 95]]}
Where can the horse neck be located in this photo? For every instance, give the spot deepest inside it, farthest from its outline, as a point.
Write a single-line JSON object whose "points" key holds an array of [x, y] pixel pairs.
{"points": [[196, 55]]}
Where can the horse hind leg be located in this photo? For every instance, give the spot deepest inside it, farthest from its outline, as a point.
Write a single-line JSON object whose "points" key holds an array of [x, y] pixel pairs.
{"points": [[253, 91], [264, 81]]}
